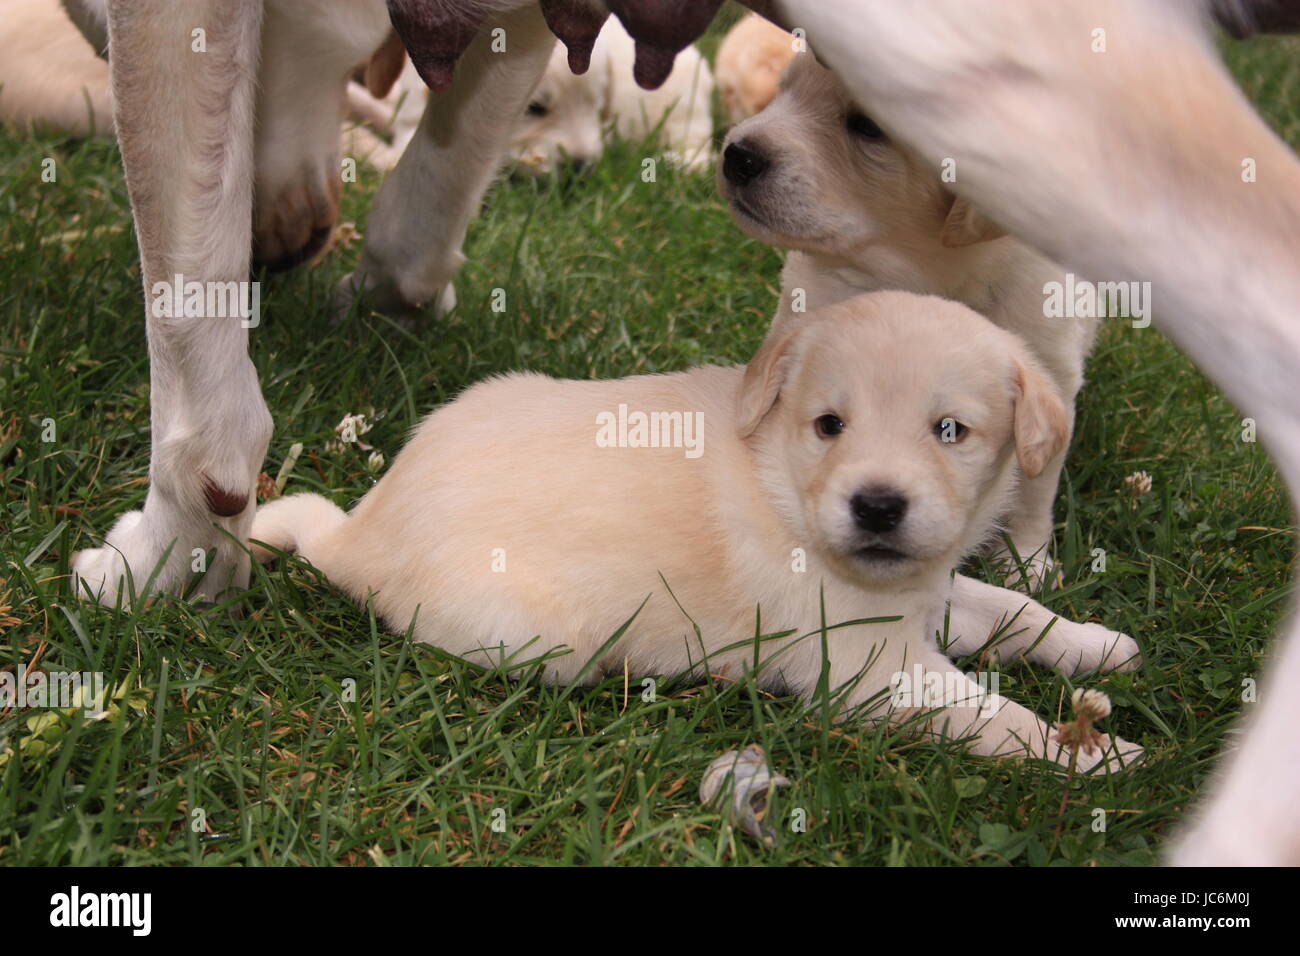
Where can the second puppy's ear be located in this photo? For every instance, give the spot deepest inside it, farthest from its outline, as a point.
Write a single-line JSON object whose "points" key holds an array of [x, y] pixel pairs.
{"points": [[765, 375], [385, 66], [966, 225]]}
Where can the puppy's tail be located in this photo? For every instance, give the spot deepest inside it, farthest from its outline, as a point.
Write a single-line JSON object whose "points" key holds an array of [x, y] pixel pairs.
{"points": [[298, 523]]}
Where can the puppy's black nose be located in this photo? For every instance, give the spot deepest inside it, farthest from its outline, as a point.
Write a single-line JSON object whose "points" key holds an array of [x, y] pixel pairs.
{"points": [[878, 511], [742, 164]]}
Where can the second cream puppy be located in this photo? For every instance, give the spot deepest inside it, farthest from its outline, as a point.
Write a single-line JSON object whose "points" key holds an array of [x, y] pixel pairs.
{"points": [[534, 517], [813, 174], [569, 113]]}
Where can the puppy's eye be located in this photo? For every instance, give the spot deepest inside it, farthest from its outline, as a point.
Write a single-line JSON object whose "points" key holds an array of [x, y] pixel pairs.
{"points": [[860, 124], [828, 426], [537, 108], [949, 430]]}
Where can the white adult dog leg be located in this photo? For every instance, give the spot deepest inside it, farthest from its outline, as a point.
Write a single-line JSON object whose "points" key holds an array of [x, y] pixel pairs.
{"points": [[1051, 142], [185, 124], [419, 218], [978, 611]]}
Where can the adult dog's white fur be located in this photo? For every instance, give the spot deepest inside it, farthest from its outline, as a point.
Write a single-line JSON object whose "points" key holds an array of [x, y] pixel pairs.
{"points": [[861, 212], [502, 572], [1123, 162]]}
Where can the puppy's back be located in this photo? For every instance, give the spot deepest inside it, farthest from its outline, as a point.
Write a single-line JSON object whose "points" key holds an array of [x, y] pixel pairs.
{"points": [[529, 494], [50, 76]]}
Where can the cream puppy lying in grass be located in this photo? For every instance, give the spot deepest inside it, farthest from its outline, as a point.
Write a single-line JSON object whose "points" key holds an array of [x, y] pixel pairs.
{"points": [[859, 212], [856, 461], [568, 113]]}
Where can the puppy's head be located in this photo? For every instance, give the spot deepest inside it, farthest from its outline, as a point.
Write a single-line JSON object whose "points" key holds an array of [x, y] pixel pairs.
{"points": [[888, 428], [813, 172], [564, 119]]}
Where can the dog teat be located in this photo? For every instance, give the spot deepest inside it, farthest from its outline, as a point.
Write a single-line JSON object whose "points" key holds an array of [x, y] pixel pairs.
{"points": [[577, 27], [662, 29], [435, 34]]}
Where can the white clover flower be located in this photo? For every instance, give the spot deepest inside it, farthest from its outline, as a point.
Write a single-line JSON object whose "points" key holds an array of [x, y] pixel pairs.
{"points": [[375, 463], [1090, 704], [1138, 483], [351, 427]]}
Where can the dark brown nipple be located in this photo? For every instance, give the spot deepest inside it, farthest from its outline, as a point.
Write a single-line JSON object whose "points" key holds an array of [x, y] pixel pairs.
{"points": [[577, 26], [435, 34], [662, 28]]}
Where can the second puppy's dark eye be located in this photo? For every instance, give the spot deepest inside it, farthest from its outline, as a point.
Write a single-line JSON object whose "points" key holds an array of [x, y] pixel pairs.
{"points": [[828, 426], [949, 430], [536, 108], [860, 124]]}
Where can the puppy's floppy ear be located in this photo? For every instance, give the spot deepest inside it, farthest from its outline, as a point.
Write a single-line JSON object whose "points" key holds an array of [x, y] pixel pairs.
{"points": [[385, 66], [1042, 427], [966, 225], [765, 374]]}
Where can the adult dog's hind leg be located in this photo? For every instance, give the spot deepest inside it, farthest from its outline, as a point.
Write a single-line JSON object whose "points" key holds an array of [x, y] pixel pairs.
{"points": [[308, 52], [419, 218], [184, 111]]}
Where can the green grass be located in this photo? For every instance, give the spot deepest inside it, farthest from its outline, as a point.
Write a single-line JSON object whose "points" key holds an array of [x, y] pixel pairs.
{"points": [[243, 719]]}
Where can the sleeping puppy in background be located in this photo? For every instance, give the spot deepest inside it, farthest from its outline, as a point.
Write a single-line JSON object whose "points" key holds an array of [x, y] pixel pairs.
{"points": [[858, 211], [856, 461], [568, 113]]}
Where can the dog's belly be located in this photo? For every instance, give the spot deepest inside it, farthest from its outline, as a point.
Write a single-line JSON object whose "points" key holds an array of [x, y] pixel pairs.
{"points": [[537, 602], [346, 31]]}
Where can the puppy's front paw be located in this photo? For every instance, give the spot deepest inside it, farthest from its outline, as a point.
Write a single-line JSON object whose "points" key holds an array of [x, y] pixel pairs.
{"points": [[1101, 649], [1034, 572], [1116, 754]]}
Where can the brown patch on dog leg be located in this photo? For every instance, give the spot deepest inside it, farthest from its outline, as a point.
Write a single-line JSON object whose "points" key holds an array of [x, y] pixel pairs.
{"points": [[435, 34], [577, 26], [222, 502]]}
